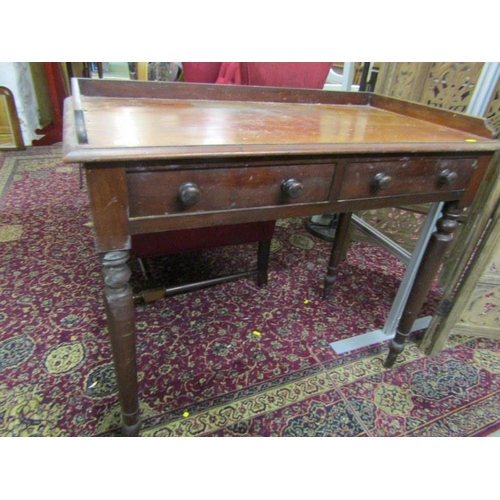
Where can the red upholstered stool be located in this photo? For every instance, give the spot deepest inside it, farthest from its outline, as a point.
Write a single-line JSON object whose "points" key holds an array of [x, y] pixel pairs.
{"points": [[186, 240]]}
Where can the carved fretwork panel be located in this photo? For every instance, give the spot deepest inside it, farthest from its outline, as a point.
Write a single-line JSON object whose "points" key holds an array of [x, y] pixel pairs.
{"points": [[493, 112], [402, 80], [450, 85], [481, 314]]}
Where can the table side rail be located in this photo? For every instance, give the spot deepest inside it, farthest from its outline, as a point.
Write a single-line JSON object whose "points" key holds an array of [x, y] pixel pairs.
{"points": [[218, 92], [452, 119]]}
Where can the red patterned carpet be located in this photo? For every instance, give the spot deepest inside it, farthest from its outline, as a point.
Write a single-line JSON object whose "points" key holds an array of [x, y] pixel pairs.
{"points": [[203, 369]]}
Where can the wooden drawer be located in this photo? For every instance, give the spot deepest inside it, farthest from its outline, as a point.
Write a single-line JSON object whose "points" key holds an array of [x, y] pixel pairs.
{"points": [[366, 179], [161, 192]]}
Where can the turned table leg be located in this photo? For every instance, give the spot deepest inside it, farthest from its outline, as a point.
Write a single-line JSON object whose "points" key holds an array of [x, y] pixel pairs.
{"points": [[121, 326], [431, 260], [338, 251]]}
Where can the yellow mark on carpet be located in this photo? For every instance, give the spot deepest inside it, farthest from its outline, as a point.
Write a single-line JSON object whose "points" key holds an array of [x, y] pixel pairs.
{"points": [[11, 232]]}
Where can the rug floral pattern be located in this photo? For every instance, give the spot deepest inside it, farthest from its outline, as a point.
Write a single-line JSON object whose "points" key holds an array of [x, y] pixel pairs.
{"points": [[232, 360]]}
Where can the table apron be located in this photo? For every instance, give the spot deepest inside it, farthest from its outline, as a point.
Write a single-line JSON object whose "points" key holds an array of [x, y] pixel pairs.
{"points": [[138, 225]]}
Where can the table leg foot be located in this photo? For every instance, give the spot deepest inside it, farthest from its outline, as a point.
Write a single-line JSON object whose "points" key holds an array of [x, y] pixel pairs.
{"points": [[131, 425], [395, 349], [328, 282]]}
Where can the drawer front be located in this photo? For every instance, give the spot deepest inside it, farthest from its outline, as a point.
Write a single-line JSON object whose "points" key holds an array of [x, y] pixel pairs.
{"points": [[165, 192], [405, 177]]}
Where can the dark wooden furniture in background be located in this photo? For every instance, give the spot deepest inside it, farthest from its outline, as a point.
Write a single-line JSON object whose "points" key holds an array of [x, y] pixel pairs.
{"points": [[88, 69], [252, 154]]}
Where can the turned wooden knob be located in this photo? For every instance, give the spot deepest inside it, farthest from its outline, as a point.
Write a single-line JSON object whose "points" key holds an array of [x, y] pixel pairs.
{"points": [[381, 181], [447, 177], [292, 188], [189, 194]]}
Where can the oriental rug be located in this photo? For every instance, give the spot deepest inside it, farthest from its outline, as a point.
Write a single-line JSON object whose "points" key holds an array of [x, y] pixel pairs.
{"points": [[230, 360]]}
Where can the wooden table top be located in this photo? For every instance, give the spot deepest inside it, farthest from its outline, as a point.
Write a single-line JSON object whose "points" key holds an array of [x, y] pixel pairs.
{"points": [[120, 122], [138, 127]]}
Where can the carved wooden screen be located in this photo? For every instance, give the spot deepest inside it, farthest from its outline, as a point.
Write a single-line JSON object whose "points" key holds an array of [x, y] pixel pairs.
{"points": [[493, 112], [447, 85], [450, 85], [402, 80], [481, 314]]}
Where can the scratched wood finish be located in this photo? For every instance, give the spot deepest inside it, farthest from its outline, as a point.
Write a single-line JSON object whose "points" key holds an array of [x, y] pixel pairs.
{"points": [[157, 193], [109, 207], [424, 175], [141, 120], [154, 123]]}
